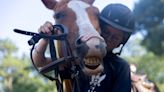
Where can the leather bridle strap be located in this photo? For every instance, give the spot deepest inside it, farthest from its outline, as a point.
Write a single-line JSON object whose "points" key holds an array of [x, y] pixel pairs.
{"points": [[36, 37], [68, 56]]}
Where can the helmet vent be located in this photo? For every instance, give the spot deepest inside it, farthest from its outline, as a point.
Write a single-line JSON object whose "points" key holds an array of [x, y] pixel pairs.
{"points": [[116, 20], [109, 14]]}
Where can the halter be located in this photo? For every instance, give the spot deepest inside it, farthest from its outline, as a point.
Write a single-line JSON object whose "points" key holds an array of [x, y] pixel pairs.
{"points": [[68, 55]]}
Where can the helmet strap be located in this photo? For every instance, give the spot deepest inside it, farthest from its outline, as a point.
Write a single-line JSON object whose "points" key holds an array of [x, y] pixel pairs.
{"points": [[118, 50]]}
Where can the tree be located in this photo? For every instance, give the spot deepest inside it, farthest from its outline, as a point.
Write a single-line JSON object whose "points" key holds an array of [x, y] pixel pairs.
{"points": [[15, 72], [155, 40], [7, 47], [150, 19]]}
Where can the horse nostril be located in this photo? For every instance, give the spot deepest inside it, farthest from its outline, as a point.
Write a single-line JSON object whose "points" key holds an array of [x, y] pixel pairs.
{"points": [[97, 47], [78, 42], [102, 47], [81, 48]]}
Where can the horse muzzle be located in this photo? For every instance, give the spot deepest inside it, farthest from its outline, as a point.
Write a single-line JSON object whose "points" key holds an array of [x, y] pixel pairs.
{"points": [[91, 53]]}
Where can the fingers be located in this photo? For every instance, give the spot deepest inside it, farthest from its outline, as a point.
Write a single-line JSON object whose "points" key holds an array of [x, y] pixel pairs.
{"points": [[46, 28], [148, 85]]}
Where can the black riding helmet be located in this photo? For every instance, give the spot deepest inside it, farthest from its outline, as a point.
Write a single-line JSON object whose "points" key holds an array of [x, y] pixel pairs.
{"points": [[120, 17]]}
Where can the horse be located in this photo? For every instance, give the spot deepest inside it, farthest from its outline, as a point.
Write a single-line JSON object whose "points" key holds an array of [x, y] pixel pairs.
{"points": [[140, 82], [81, 19]]}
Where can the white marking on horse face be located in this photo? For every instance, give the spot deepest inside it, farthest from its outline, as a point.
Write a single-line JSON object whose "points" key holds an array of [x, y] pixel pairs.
{"points": [[83, 22]]}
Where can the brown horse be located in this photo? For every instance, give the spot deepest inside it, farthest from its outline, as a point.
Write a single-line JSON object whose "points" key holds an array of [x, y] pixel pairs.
{"points": [[81, 19]]}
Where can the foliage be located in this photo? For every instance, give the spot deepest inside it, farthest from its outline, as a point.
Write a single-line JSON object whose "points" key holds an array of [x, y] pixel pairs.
{"points": [[7, 47], [149, 19], [156, 43], [27, 84], [16, 72]]}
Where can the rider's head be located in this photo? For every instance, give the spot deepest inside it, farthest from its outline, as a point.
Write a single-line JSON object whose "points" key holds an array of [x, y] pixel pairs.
{"points": [[117, 24]]}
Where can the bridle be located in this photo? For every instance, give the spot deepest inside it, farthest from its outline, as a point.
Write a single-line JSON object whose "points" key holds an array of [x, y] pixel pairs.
{"points": [[68, 56]]}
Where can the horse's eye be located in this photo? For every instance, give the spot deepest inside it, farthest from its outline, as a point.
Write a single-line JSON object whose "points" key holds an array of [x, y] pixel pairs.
{"points": [[59, 15]]}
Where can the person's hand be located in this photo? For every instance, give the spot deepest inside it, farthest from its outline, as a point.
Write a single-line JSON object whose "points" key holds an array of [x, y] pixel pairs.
{"points": [[46, 28]]}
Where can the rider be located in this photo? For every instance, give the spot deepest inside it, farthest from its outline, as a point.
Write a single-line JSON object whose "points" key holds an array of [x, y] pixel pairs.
{"points": [[117, 24]]}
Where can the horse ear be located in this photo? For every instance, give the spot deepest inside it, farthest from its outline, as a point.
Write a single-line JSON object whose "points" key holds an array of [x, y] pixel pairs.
{"points": [[50, 4], [89, 1]]}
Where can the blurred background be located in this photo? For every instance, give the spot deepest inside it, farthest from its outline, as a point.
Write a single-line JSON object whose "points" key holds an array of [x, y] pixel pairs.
{"points": [[145, 48]]}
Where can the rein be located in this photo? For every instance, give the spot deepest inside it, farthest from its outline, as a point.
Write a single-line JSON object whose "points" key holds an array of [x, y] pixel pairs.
{"points": [[67, 54]]}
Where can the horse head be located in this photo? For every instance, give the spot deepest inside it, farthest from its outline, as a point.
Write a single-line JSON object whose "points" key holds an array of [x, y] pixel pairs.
{"points": [[81, 19]]}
